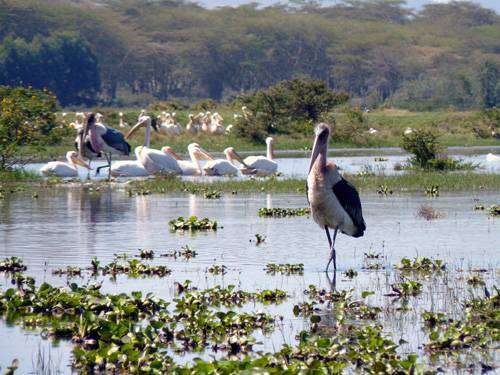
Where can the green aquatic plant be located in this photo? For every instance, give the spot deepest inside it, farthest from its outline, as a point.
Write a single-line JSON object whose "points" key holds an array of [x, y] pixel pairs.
{"points": [[373, 255], [283, 212], [146, 254], [384, 190], [259, 239], [475, 281], [350, 273], [494, 210], [217, 269], [406, 289], [479, 207], [285, 269], [192, 224], [185, 252], [380, 159], [12, 264], [213, 194], [432, 191], [421, 264], [69, 271]]}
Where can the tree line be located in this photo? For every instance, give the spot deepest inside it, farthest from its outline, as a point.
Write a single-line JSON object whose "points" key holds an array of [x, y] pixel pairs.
{"points": [[132, 52]]}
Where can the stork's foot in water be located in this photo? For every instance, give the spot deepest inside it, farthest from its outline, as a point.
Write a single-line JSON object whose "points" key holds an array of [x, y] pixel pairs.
{"points": [[98, 170]]}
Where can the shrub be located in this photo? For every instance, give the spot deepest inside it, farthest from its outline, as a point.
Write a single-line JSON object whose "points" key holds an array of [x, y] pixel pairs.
{"points": [[424, 146], [27, 118], [205, 105], [289, 106]]}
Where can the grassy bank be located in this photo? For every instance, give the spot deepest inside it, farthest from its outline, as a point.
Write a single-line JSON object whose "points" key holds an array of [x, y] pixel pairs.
{"points": [[411, 182], [456, 129]]}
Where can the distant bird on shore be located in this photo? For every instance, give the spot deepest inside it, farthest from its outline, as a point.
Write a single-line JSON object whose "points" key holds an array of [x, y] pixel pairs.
{"points": [[492, 158], [62, 169], [334, 202]]}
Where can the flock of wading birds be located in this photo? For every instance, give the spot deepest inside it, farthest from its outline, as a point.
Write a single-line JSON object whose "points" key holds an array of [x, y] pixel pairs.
{"points": [[334, 202], [96, 140]]}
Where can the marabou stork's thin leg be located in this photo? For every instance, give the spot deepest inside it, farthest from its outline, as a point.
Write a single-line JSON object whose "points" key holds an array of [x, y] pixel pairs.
{"points": [[109, 166], [333, 256]]}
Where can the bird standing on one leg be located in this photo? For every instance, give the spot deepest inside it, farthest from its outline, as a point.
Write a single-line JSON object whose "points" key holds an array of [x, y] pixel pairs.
{"points": [[334, 202]]}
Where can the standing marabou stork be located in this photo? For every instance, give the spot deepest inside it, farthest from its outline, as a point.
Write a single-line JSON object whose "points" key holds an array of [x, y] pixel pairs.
{"points": [[106, 140], [334, 202]]}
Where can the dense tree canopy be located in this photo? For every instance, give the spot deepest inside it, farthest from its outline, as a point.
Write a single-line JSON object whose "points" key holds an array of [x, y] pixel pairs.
{"points": [[132, 51]]}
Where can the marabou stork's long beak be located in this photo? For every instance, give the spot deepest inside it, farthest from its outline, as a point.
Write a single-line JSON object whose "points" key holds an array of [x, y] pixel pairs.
{"points": [[322, 132]]}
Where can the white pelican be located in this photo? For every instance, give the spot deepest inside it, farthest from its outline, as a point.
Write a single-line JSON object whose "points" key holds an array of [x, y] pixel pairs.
{"points": [[103, 139], [216, 126], [220, 167], [129, 168], [62, 169], [372, 131], [262, 165], [229, 129], [492, 158], [168, 125], [193, 124], [206, 121], [154, 161], [334, 202], [189, 168], [122, 122]]}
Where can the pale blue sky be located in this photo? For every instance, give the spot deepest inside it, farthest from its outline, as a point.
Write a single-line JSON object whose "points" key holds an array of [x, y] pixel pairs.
{"points": [[493, 4]]}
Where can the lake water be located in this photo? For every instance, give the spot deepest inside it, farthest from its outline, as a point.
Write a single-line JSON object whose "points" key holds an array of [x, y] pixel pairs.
{"points": [[298, 166], [69, 226]]}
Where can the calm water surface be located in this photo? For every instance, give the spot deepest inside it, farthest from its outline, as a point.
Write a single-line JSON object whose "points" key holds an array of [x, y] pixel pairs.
{"points": [[70, 226]]}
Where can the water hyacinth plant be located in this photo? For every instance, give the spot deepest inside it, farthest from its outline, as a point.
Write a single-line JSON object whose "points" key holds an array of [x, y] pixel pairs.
{"points": [[192, 224], [12, 264], [420, 264], [282, 212], [285, 269]]}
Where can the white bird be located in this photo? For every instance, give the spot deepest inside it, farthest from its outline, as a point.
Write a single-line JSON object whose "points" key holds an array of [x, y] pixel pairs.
{"points": [[62, 169], [154, 161], [408, 131], [229, 128], [220, 167], [122, 122], [168, 125], [334, 202], [189, 168], [216, 126], [193, 125], [372, 131], [492, 158], [262, 165], [129, 168], [206, 121], [99, 117]]}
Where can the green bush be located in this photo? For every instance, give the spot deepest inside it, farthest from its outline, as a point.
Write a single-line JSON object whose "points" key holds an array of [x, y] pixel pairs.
{"points": [[424, 146], [291, 106], [27, 118]]}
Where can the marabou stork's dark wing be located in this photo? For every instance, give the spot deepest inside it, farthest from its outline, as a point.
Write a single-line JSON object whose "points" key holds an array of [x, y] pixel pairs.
{"points": [[115, 139], [350, 202]]}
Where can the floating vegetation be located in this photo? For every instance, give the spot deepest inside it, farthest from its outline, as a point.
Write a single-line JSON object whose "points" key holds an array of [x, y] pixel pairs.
{"points": [[146, 254], [406, 289], [475, 281], [259, 239], [384, 190], [69, 271], [373, 255], [134, 268], [432, 191], [283, 212], [285, 269], [185, 252], [217, 270], [373, 266], [351, 273], [12, 264], [428, 212], [479, 207], [305, 309], [421, 264], [213, 194], [380, 159], [479, 329], [494, 210], [192, 224]]}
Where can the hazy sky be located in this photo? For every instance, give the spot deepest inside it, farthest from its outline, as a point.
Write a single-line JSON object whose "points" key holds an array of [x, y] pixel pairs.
{"points": [[493, 4]]}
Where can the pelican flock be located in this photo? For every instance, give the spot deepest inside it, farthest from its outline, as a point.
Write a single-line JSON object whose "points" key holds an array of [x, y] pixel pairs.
{"points": [[333, 201]]}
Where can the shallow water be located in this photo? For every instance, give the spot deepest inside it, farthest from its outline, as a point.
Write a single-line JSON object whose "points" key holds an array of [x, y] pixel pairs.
{"points": [[66, 226], [298, 166]]}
